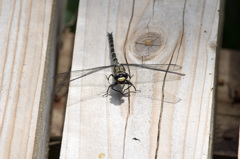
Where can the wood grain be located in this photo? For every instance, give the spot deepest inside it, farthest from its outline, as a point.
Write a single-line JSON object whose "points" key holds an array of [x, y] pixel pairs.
{"points": [[118, 127], [25, 32]]}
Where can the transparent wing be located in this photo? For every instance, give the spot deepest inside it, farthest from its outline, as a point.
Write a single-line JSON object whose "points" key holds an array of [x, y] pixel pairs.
{"points": [[67, 77], [157, 67], [151, 73], [143, 77], [154, 91], [86, 94], [168, 97], [140, 77], [147, 73]]}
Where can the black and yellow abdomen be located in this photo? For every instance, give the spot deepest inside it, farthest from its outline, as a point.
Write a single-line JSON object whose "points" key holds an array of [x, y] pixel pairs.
{"points": [[111, 45]]}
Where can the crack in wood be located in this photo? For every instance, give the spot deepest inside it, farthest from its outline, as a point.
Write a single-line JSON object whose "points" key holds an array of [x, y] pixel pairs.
{"points": [[164, 81], [125, 57]]}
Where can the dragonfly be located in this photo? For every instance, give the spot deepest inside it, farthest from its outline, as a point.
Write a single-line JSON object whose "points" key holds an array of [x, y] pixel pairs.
{"points": [[120, 77]]}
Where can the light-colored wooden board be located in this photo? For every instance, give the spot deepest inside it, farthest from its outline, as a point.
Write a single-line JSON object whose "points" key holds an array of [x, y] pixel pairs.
{"points": [[118, 127], [26, 77]]}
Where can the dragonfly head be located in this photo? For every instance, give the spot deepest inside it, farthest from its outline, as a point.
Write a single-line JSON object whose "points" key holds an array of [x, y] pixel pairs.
{"points": [[121, 77]]}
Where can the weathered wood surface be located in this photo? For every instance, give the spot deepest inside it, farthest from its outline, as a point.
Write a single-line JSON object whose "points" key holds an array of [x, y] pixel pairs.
{"points": [[25, 74], [118, 127]]}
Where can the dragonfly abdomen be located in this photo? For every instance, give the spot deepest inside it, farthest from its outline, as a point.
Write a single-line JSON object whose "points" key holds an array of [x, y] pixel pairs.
{"points": [[111, 45]]}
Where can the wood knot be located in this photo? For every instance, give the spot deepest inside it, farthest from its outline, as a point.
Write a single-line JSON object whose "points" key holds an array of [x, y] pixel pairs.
{"points": [[148, 44], [213, 45]]}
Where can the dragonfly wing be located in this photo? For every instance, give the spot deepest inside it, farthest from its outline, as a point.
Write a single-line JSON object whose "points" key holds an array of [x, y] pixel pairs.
{"points": [[151, 77], [67, 77], [141, 76], [94, 93], [154, 92], [168, 97], [86, 94], [157, 67]]}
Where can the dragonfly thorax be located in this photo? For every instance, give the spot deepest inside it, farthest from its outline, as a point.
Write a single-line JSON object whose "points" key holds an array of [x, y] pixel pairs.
{"points": [[118, 69], [120, 74]]}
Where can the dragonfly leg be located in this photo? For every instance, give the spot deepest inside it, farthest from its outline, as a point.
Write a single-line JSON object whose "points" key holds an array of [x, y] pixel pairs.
{"points": [[109, 77], [127, 87], [130, 85], [112, 87], [130, 76]]}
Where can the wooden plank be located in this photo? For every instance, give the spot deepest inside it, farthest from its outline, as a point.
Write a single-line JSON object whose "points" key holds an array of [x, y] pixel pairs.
{"points": [[177, 32], [26, 67]]}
